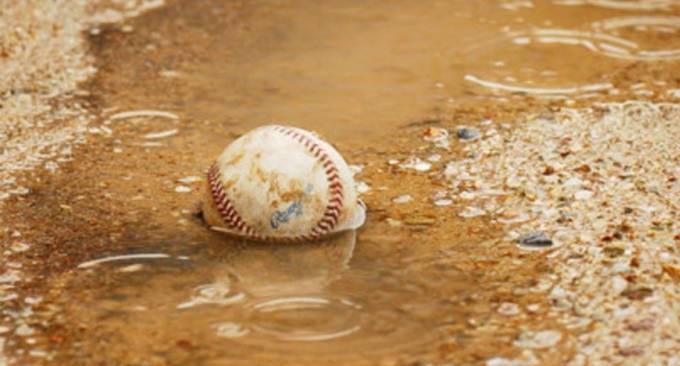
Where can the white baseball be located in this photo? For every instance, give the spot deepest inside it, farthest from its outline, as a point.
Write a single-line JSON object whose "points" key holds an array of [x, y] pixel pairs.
{"points": [[279, 183]]}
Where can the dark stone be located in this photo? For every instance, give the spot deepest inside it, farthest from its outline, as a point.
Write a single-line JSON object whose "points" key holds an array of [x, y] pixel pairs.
{"points": [[639, 293], [535, 240], [467, 133]]}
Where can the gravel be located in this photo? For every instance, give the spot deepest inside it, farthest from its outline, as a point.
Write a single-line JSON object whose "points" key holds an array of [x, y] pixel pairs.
{"points": [[43, 60], [41, 120], [604, 182]]}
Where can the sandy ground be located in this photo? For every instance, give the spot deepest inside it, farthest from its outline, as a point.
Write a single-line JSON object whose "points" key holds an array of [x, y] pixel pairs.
{"points": [[44, 59], [593, 180]]}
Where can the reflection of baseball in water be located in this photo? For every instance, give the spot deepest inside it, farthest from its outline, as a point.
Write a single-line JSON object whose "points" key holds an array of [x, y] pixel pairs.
{"points": [[279, 183], [306, 269]]}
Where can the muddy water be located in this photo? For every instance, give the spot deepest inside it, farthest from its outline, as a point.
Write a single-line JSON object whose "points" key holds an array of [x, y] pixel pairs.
{"points": [[357, 71], [131, 275]]}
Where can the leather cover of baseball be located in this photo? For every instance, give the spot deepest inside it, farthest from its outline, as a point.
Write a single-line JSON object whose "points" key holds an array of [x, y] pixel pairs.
{"points": [[279, 183]]}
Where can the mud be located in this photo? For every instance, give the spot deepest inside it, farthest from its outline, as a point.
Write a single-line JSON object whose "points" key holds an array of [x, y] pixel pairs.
{"points": [[418, 284]]}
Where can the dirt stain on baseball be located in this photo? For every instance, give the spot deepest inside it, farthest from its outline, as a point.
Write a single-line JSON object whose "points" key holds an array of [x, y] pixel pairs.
{"points": [[417, 284]]}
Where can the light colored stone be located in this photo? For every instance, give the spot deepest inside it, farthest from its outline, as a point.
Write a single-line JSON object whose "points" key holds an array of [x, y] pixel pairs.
{"points": [[538, 340], [404, 198]]}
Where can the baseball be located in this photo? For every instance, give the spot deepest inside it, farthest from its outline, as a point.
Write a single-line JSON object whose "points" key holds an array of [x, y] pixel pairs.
{"points": [[279, 183]]}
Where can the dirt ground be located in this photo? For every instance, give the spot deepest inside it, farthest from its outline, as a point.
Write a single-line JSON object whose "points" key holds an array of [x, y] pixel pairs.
{"points": [[436, 275]]}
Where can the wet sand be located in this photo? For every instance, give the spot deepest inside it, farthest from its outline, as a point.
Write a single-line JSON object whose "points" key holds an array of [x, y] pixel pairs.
{"points": [[421, 282]]}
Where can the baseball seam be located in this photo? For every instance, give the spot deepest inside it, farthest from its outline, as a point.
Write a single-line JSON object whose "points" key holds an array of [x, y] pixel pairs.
{"points": [[224, 205], [331, 214]]}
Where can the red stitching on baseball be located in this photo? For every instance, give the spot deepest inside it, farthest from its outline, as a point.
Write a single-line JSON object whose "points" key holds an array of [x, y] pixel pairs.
{"points": [[335, 188], [224, 205]]}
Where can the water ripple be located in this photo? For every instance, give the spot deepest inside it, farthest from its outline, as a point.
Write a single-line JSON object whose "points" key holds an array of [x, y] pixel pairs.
{"points": [[659, 24], [622, 5], [305, 318], [218, 293], [538, 91], [127, 257]]}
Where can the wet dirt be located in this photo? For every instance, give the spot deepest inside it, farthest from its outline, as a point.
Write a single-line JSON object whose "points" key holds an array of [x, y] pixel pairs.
{"points": [[417, 285]]}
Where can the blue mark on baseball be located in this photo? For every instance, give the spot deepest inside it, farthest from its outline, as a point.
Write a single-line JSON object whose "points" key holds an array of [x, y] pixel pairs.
{"points": [[283, 216], [294, 209]]}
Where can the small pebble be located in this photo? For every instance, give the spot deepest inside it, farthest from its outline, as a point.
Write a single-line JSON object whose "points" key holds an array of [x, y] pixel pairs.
{"points": [[638, 293], [509, 309], [356, 168], [190, 179], [532, 308], [535, 240], [619, 284], [443, 202], [573, 182], [404, 198], [434, 133], [362, 187], [434, 158], [32, 300], [19, 247], [542, 339], [439, 194], [632, 351], [643, 325], [182, 189], [468, 134], [500, 361], [438, 136], [468, 195], [393, 222], [38, 353], [472, 211], [527, 359], [24, 330], [131, 268], [416, 164], [583, 194], [512, 217], [8, 297]]}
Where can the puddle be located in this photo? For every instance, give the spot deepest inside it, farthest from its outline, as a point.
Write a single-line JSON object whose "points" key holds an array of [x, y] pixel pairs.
{"points": [[129, 276], [354, 72], [256, 303]]}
